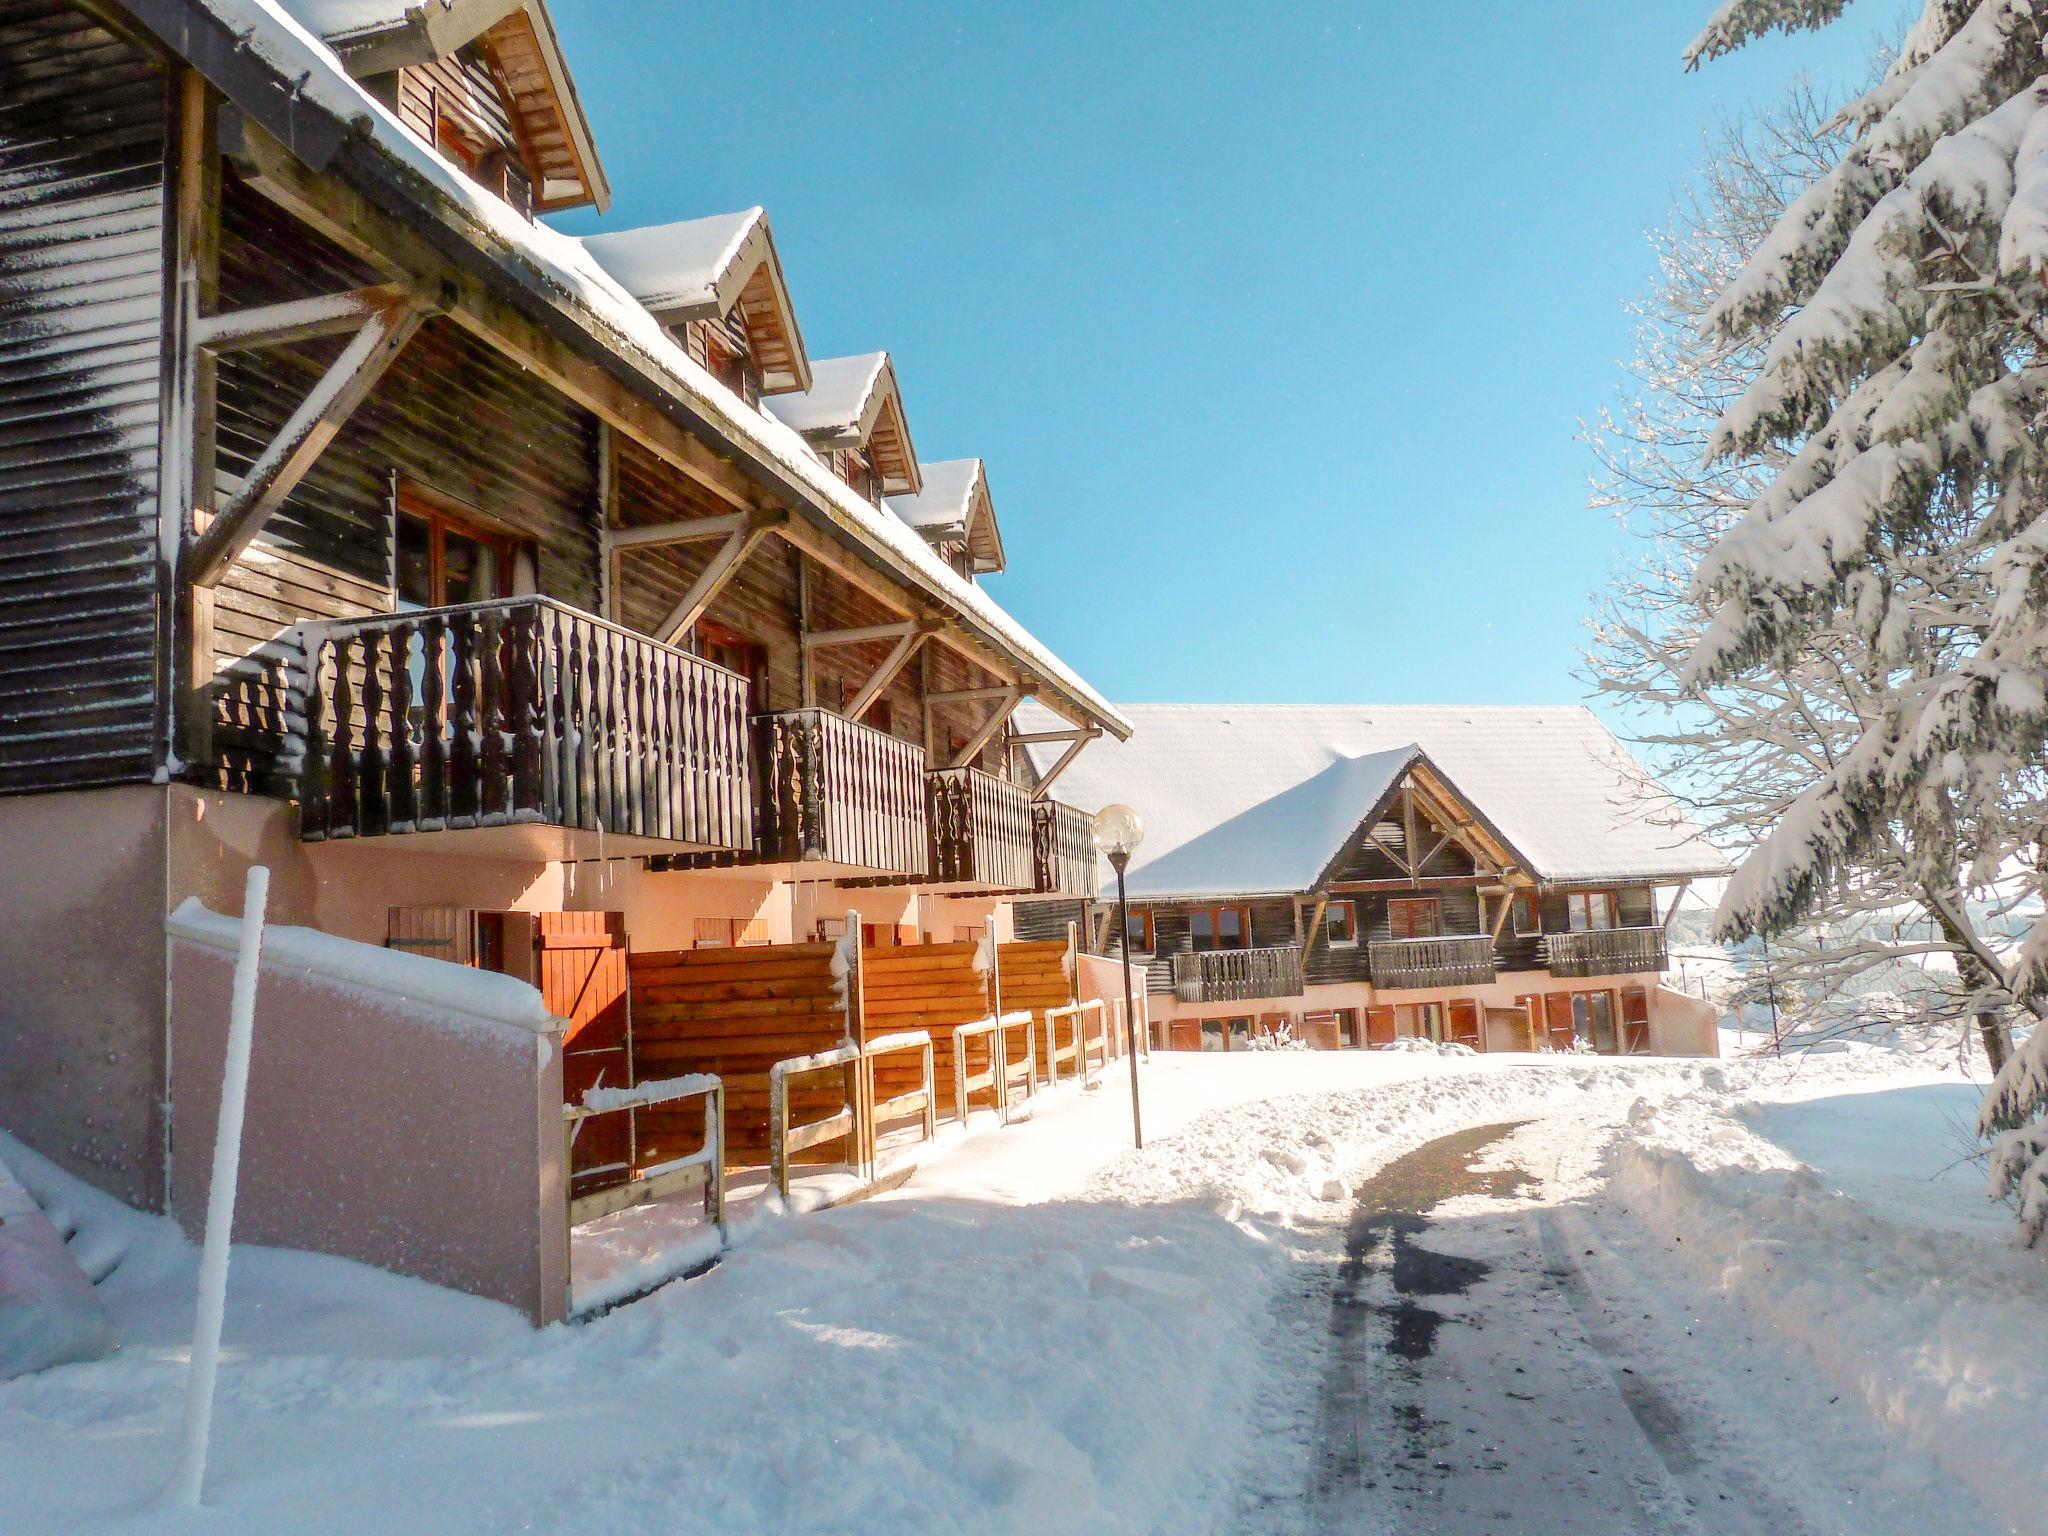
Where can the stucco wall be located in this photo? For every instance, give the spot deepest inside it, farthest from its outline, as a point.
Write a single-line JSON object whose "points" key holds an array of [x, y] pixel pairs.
{"points": [[383, 1125], [82, 1043]]}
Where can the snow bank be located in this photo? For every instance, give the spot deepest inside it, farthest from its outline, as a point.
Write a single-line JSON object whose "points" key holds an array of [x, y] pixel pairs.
{"points": [[1045, 1332], [1848, 1216]]}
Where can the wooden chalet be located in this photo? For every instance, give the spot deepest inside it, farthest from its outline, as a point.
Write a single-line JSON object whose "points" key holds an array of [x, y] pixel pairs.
{"points": [[1497, 877], [527, 602]]}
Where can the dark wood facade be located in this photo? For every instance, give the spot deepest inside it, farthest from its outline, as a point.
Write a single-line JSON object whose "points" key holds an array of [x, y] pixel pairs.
{"points": [[232, 619], [82, 147]]}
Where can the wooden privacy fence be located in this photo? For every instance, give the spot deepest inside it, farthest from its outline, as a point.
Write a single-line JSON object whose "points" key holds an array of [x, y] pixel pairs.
{"points": [[938, 988], [785, 1138], [737, 1013], [1031, 977], [655, 1181]]}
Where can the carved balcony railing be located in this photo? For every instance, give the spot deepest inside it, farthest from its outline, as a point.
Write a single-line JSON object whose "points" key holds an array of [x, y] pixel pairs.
{"points": [[519, 711], [836, 792], [980, 830], [1606, 952], [1063, 859], [1460, 960], [1237, 975]]}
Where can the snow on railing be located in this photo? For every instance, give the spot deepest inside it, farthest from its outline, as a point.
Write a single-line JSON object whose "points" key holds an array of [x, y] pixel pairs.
{"points": [[995, 1030], [705, 1167]]}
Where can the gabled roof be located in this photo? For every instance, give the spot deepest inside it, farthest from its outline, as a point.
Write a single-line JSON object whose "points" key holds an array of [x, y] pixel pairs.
{"points": [[375, 37], [294, 86], [853, 402], [701, 269], [1237, 796], [955, 508]]}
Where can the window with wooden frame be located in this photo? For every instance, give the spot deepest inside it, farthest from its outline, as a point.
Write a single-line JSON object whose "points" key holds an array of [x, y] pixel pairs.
{"points": [[1590, 911], [1415, 917], [445, 559], [733, 651], [1138, 932], [1528, 918], [1340, 925], [1219, 928]]}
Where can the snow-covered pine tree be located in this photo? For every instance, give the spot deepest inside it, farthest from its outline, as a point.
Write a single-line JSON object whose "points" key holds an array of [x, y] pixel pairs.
{"points": [[1741, 751], [1899, 303]]}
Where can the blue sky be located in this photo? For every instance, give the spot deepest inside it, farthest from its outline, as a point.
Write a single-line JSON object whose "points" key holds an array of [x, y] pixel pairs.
{"points": [[1274, 324]]}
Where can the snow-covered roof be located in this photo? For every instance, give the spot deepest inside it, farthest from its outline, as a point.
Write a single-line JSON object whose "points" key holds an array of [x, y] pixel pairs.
{"points": [[266, 34], [1252, 798], [375, 37], [955, 507], [682, 267], [699, 269], [853, 402]]}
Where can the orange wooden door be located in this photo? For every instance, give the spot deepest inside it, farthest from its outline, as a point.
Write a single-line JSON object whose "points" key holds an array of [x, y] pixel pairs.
{"points": [[1635, 1021], [1557, 1010], [580, 958], [1379, 1026], [1464, 1022]]}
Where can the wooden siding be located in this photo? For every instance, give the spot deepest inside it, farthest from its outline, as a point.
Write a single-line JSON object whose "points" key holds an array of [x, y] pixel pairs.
{"points": [[451, 417], [82, 134], [933, 987], [736, 1012]]}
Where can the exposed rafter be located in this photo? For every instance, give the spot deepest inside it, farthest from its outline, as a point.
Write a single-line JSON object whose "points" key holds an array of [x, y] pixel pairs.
{"points": [[688, 531], [819, 638], [997, 716], [277, 325], [712, 579], [892, 664], [303, 438]]}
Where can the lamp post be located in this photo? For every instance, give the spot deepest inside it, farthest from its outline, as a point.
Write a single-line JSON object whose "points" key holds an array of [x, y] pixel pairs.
{"points": [[1118, 830]]}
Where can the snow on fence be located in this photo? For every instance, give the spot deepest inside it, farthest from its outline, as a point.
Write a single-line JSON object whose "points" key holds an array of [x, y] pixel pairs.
{"points": [[1069, 1029], [922, 1100], [402, 1111], [787, 1138], [992, 1034], [735, 1013], [703, 1168]]}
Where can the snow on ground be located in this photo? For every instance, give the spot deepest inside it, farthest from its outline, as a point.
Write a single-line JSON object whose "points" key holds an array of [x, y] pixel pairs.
{"points": [[1045, 1331], [1841, 1206]]}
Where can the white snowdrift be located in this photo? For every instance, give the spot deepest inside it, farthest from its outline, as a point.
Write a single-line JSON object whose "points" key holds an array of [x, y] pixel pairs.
{"points": [[1849, 1217]]}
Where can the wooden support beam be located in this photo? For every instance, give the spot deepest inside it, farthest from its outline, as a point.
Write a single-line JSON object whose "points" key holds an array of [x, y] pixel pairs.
{"points": [[284, 462], [1075, 733], [1507, 905], [1079, 740], [996, 718], [819, 638], [1408, 830], [898, 658], [277, 325], [1676, 897], [1315, 925], [968, 696], [1412, 883], [712, 579], [688, 531]]}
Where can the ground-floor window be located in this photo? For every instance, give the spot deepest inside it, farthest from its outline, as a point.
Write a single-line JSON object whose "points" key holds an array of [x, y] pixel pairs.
{"points": [[1213, 1036], [1612, 1023], [1347, 1029], [1419, 1021]]}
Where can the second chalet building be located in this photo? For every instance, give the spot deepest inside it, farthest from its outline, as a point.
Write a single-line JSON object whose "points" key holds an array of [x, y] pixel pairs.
{"points": [[1498, 877]]}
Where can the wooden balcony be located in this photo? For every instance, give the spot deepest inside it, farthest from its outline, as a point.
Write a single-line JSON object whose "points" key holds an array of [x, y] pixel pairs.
{"points": [[521, 727], [1459, 960], [836, 800], [1063, 861], [1237, 975], [1606, 952], [980, 831]]}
